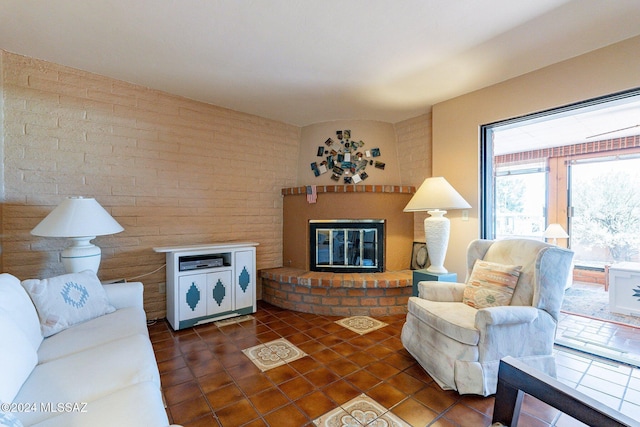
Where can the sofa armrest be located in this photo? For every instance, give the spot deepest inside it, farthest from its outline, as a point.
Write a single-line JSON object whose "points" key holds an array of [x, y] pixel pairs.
{"points": [[505, 315], [123, 295], [441, 291]]}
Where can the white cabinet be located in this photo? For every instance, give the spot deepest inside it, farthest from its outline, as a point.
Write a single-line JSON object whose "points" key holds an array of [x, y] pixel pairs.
{"points": [[624, 288], [209, 282]]}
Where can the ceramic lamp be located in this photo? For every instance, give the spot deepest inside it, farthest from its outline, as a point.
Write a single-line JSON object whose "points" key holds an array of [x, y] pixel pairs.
{"points": [[80, 220], [436, 196]]}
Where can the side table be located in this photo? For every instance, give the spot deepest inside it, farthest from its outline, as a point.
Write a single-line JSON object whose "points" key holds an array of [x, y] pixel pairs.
{"points": [[424, 275]]}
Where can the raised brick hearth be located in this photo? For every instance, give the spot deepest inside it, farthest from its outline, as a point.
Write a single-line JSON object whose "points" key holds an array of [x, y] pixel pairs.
{"points": [[336, 294]]}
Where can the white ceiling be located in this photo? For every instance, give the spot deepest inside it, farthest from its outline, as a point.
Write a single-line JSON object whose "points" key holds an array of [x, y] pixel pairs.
{"points": [[309, 61], [589, 123]]}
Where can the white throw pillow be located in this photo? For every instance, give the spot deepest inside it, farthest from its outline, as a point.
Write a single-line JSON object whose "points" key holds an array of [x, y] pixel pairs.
{"points": [[65, 300], [17, 359], [16, 304]]}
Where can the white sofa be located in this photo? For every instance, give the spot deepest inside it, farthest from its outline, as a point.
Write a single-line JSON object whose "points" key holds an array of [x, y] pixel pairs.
{"points": [[100, 372]]}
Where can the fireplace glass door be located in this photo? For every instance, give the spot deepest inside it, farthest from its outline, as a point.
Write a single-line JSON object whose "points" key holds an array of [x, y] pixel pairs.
{"points": [[347, 245]]}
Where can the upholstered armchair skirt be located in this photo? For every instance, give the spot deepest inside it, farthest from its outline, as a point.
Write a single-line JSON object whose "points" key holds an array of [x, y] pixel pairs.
{"points": [[460, 343]]}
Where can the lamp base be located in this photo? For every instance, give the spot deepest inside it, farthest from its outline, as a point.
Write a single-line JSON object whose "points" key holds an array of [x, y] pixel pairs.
{"points": [[436, 230], [81, 255]]}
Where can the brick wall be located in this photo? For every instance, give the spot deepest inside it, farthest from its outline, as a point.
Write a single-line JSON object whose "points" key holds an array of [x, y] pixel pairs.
{"points": [[414, 155], [169, 169]]}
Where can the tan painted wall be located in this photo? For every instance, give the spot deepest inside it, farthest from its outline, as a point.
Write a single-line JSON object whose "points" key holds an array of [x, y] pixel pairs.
{"points": [[171, 170], [456, 122], [374, 134]]}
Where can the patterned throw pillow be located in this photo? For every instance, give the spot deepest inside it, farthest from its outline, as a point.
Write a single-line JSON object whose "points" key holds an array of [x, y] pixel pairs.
{"points": [[491, 284], [65, 300]]}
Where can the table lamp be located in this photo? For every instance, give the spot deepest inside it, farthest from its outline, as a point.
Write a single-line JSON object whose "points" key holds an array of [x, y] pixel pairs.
{"points": [[555, 232], [436, 196], [80, 220]]}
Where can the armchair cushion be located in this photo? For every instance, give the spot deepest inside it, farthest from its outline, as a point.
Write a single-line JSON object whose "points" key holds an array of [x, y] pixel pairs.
{"points": [[454, 320], [491, 284], [68, 299]]}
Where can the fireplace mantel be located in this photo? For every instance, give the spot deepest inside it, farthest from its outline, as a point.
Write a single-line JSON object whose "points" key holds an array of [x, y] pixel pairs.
{"points": [[348, 202], [404, 189]]}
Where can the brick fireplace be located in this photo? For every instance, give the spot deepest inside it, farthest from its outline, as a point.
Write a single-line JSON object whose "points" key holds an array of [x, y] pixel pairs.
{"points": [[296, 287]]}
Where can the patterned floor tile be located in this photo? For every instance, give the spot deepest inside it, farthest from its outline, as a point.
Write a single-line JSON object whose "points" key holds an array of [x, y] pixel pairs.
{"points": [[232, 320], [273, 353], [361, 324], [360, 411]]}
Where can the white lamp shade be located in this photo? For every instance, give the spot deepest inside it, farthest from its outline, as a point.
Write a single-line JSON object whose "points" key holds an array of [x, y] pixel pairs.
{"points": [[77, 217], [436, 193], [555, 231]]}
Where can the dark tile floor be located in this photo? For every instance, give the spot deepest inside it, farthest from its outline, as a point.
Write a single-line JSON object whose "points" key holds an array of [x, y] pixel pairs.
{"points": [[209, 381]]}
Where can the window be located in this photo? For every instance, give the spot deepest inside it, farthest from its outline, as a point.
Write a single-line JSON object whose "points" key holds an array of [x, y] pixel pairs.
{"points": [[521, 200], [605, 204], [578, 166]]}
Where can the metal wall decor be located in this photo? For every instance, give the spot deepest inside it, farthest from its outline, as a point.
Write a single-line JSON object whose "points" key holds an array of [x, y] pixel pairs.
{"points": [[346, 159]]}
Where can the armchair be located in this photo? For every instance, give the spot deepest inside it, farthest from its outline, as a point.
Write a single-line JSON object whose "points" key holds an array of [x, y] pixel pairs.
{"points": [[460, 346]]}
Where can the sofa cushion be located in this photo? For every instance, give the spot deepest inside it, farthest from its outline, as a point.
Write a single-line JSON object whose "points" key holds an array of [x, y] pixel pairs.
{"points": [[491, 284], [122, 409], [17, 359], [456, 320], [110, 327], [15, 303], [65, 300], [90, 375]]}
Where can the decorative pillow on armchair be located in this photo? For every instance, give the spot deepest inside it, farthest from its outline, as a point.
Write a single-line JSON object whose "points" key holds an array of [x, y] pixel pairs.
{"points": [[65, 300], [491, 284]]}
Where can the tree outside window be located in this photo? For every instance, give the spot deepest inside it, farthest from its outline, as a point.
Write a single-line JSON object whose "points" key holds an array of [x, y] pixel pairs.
{"points": [[605, 227]]}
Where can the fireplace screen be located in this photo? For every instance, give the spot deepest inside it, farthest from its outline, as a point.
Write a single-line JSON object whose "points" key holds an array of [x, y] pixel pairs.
{"points": [[349, 246]]}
